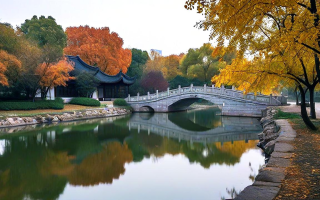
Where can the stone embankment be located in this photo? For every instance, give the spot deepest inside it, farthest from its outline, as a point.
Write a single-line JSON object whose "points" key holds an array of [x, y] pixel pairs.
{"points": [[276, 142], [65, 117]]}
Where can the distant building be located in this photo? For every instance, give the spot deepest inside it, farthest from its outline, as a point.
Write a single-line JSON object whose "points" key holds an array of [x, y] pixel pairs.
{"points": [[159, 52]]}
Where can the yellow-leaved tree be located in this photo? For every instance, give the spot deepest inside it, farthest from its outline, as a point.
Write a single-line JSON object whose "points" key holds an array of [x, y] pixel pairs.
{"points": [[275, 32]]}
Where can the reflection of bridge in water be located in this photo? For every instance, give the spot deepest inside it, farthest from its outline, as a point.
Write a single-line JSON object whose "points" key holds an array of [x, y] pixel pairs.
{"points": [[231, 129]]}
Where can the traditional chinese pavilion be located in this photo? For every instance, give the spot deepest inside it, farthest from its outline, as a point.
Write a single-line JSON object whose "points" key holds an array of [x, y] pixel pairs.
{"points": [[110, 87]]}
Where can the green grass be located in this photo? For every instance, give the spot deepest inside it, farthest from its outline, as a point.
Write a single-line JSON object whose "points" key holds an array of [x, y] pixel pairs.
{"points": [[285, 115], [85, 101]]}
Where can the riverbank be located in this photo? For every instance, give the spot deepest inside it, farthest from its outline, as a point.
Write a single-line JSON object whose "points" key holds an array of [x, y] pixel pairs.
{"points": [[293, 171], [276, 142], [63, 117]]}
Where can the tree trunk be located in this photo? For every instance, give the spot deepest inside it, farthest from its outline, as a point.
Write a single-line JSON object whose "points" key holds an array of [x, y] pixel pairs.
{"points": [[304, 113], [297, 96], [312, 104]]}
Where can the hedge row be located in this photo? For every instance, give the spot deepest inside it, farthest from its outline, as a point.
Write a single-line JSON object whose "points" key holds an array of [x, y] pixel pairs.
{"points": [[84, 101], [23, 105], [120, 102]]}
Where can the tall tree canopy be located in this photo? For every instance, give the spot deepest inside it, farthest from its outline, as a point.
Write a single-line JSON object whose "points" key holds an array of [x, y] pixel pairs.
{"points": [[9, 40], [204, 62], [139, 59], [98, 47], [48, 35]]}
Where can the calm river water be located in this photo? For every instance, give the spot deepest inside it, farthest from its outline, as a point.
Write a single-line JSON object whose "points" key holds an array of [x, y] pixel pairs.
{"points": [[193, 155]]}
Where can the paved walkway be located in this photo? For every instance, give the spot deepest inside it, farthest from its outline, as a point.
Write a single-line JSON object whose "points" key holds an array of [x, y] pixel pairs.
{"points": [[268, 181]]}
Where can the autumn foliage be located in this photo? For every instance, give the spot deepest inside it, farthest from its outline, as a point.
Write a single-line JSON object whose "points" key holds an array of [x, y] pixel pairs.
{"points": [[54, 74], [153, 81], [8, 62], [98, 47]]}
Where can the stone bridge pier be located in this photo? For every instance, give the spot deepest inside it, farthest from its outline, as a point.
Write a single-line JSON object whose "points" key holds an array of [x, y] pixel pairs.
{"points": [[231, 102]]}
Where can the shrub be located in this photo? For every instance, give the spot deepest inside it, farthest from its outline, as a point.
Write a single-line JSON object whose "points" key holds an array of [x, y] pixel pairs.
{"points": [[22, 105], [84, 101], [120, 102]]}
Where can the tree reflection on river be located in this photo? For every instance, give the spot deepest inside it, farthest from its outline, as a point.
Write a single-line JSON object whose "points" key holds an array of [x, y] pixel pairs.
{"points": [[159, 155]]}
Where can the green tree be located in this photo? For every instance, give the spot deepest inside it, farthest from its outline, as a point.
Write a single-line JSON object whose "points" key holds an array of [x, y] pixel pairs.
{"points": [[139, 59], [86, 84], [49, 36], [205, 62], [9, 41]]}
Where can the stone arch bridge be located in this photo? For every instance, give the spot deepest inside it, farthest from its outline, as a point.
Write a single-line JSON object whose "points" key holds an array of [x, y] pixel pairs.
{"points": [[232, 102]]}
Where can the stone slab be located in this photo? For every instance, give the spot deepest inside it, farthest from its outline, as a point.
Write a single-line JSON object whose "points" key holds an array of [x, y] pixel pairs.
{"points": [[270, 174], [282, 122], [285, 139], [283, 147], [263, 183], [258, 192], [278, 162], [281, 155]]}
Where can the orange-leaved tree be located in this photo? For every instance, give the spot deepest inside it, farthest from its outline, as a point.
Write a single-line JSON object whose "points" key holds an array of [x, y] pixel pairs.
{"points": [[98, 47], [9, 64], [52, 75]]}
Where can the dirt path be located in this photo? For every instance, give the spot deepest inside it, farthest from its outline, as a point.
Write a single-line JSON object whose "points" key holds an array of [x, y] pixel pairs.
{"points": [[293, 108]]}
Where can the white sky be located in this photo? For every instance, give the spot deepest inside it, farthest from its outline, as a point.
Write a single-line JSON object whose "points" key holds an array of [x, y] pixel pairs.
{"points": [[144, 24]]}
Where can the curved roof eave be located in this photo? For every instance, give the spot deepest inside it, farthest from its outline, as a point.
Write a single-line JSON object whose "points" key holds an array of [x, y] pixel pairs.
{"points": [[101, 76]]}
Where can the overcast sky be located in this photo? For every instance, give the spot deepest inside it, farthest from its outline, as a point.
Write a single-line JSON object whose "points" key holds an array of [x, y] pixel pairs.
{"points": [[144, 24]]}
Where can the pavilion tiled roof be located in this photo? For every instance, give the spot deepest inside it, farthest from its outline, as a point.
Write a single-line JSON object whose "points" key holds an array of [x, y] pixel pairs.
{"points": [[80, 65]]}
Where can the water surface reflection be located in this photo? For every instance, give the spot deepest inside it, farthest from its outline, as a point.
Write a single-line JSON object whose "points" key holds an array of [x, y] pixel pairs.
{"points": [[189, 155]]}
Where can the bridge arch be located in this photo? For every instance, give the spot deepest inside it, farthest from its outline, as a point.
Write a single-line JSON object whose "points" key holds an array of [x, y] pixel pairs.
{"points": [[184, 103], [146, 108]]}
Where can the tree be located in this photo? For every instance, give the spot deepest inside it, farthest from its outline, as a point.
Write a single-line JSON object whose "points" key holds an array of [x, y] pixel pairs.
{"points": [[48, 35], [153, 81], [270, 73], [171, 66], [9, 67], [9, 41], [52, 75], [137, 66], [264, 27], [139, 59], [86, 84], [42, 43], [205, 62], [168, 65], [99, 47]]}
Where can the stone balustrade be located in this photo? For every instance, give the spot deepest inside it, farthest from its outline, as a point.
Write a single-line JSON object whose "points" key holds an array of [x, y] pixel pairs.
{"points": [[233, 93]]}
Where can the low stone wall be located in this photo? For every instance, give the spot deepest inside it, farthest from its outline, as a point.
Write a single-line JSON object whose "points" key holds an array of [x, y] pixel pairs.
{"points": [[276, 142], [65, 117]]}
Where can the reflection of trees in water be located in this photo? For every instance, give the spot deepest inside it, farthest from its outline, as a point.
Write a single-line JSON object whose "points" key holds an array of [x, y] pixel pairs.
{"points": [[102, 167], [236, 148], [144, 145], [21, 174], [196, 120], [232, 192], [39, 165]]}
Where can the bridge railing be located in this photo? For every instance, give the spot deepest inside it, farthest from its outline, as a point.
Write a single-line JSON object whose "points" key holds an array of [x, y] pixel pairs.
{"points": [[271, 100]]}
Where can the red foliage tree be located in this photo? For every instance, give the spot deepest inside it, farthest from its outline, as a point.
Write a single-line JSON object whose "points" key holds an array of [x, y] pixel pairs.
{"points": [[153, 81], [98, 47]]}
